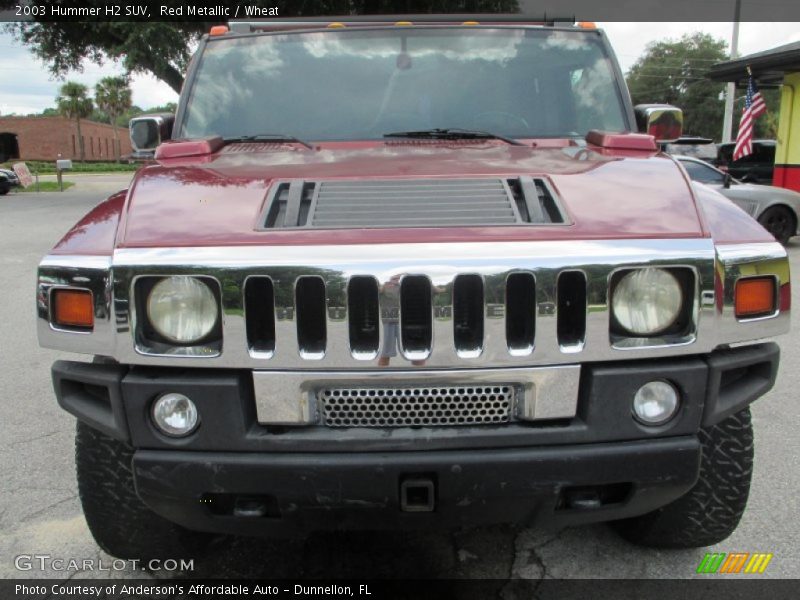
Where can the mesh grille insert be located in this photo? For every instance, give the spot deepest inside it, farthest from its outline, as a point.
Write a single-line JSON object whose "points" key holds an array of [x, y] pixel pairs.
{"points": [[416, 406]]}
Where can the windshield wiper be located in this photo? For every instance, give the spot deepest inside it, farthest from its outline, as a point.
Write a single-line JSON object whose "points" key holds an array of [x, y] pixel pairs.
{"points": [[272, 137], [453, 134]]}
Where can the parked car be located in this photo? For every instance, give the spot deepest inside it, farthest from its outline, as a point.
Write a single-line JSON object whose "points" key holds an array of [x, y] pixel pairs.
{"points": [[776, 208], [695, 146], [411, 277], [756, 167], [8, 180]]}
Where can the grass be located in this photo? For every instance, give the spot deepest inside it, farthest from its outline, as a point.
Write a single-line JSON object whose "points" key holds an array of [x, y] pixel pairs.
{"points": [[45, 186], [49, 168]]}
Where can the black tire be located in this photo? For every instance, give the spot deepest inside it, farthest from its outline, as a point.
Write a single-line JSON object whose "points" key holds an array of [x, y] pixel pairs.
{"points": [[780, 222], [4, 190], [711, 510], [120, 522]]}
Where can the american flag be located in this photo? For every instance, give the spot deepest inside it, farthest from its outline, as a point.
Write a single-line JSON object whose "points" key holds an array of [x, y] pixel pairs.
{"points": [[753, 107]]}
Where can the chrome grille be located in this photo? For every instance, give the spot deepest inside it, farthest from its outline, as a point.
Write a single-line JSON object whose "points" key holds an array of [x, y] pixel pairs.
{"points": [[416, 406]]}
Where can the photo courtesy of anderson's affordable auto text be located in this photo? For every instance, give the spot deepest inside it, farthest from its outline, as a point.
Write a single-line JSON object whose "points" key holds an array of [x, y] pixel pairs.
{"points": [[399, 299]]}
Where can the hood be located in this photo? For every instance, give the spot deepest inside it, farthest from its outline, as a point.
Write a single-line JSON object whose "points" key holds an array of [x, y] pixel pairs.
{"points": [[220, 199]]}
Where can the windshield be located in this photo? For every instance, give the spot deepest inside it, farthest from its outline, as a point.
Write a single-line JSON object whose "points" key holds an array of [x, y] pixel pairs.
{"points": [[362, 84]]}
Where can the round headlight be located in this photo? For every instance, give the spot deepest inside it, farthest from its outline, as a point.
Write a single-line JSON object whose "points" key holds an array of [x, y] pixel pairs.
{"points": [[182, 309], [174, 414], [647, 301], [655, 403]]}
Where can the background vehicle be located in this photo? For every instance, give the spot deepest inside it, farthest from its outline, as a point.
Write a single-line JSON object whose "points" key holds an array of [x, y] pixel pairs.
{"points": [[753, 168], [777, 209], [694, 146], [385, 276], [8, 180]]}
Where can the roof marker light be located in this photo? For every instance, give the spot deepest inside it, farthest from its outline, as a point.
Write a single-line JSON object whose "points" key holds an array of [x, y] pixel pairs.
{"points": [[336, 25], [403, 24], [218, 30], [586, 25], [470, 23]]}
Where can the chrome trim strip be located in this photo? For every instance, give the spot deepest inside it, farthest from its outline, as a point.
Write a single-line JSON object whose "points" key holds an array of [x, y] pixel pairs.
{"points": [[111, 281], [746, 260], [76, 272], [289, 398]]}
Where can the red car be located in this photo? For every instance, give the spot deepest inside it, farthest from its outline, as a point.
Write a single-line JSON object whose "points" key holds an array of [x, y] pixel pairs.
{"points": [[392, 275]]}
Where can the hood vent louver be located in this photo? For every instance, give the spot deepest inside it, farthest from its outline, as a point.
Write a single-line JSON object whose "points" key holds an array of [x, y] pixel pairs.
{"points": [[391, 203]]}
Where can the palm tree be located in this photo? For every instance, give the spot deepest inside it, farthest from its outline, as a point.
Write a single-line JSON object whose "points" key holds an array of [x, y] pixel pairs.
{"points": [[113, 96], [73, 102]]}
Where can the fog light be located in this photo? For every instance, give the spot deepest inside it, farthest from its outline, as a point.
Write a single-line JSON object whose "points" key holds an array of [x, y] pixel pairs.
{"points": [[655, 403], [175, 415]]}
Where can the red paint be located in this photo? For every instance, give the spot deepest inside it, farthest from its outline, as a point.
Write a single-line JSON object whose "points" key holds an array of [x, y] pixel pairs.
{"points": [[184, 148], [621, 141], [787, 176], [216, 200], [786, 296], [94, 234]]}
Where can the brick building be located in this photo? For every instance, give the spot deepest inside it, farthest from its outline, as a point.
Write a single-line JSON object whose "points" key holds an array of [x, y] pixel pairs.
{"points": [[48, 138]]}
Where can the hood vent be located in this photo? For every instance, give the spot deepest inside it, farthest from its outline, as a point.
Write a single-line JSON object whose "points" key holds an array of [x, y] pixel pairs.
{"points": [[412, 203]]}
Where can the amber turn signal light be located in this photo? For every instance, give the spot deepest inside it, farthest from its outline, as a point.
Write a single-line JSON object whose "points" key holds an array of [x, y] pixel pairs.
{"points": [[755, 296], [73, 308]]}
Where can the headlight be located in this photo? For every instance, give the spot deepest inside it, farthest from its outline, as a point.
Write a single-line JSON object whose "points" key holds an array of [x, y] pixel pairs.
{"points": [[182, 309], [647, 301]]}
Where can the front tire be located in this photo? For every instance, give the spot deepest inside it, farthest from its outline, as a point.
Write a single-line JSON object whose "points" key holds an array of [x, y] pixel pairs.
{"points": [[711, 510], [780, 222], [120, 522]]}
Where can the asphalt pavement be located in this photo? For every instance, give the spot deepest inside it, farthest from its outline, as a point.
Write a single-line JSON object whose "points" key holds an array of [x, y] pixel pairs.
{"points": [[40, 512]]}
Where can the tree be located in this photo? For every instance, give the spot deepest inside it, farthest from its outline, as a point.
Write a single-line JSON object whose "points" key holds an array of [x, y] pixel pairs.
{"points": [[74, 103], [163, 49], [113, 96], [674, 72]]}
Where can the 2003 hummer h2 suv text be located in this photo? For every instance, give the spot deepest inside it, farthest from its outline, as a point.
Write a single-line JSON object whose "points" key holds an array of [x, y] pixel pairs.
{"points": [[392, 275]]}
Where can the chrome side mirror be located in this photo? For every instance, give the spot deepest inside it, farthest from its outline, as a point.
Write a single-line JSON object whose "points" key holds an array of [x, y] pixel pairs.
{"points": [[148, 131], [663, 121]]}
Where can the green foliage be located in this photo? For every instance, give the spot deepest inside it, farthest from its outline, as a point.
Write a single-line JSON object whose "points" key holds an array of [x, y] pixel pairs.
{"points": [[163, 49], [45, 186], [49, 167], [674, 72], [73, 101], [113, 96]]}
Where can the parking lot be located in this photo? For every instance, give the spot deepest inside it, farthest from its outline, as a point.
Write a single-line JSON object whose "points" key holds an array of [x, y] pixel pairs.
{"points": [[40, 512]]}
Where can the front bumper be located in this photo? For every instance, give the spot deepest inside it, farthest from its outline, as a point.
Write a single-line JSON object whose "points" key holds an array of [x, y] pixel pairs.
{"points": [[345, 491], [599, 465]]}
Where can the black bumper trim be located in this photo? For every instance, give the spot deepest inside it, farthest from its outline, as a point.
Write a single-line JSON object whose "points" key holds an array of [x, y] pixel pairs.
{"points": [[361, 491], [737, 377]]}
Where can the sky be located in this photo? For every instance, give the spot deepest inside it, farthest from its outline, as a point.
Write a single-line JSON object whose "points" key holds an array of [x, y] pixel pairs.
{"points": [[26, 85]]}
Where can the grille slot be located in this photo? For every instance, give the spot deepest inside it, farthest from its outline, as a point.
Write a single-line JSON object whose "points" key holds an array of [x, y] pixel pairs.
{"points": [[415, 316], [362, 309], [571, 309], [311, 330], [520, 312], [290, 205], [259, 306], [468, 313], [416, 406]]}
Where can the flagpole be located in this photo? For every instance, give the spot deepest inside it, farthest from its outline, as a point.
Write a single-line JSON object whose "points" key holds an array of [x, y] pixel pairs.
{"points": [[727, 121]]}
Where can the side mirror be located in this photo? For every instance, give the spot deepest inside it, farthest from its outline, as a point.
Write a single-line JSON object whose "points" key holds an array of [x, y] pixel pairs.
{"points": [[727, 180], [148, 131], [662, 121]]}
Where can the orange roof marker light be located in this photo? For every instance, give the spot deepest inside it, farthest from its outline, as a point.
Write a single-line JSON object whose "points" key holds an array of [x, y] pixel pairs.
{"points": [[586, 25], [336, 25], [403, 24], [470, 23], [218, 30]]}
